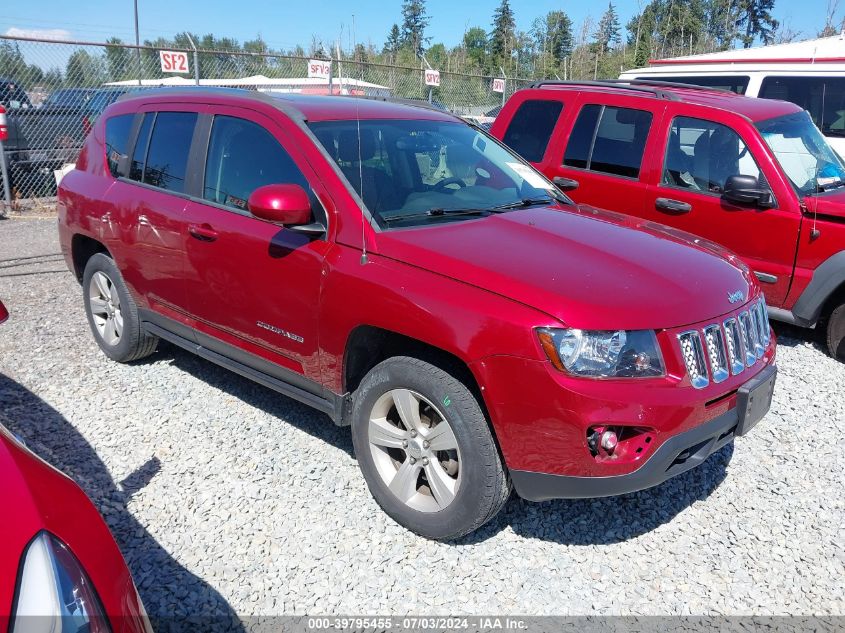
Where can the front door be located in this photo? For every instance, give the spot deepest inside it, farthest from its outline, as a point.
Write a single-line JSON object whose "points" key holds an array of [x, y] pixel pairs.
{"points": [[699, 157], [251, 284]]}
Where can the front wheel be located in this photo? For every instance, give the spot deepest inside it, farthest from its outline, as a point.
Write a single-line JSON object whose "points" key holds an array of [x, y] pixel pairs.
{"points": [[426, 451], [836, 332]]}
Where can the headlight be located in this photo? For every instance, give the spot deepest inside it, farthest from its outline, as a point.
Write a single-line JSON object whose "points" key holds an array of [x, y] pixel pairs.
{"points": [[55, 593], [603, 354]]}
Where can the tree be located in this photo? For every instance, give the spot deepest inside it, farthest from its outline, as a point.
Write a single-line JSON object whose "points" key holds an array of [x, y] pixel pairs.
{"points": [[394, 41], [120, 61], [83, 69], [559, 35], [502, 36], [607, 32], [757, 20], [415, 19], [475, 45]]}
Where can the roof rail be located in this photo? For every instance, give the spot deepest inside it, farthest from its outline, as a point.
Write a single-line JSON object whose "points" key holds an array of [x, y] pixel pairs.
{"points": [[647, 86]]}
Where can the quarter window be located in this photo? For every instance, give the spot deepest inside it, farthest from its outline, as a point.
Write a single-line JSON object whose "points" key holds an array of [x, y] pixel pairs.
{"points": [[822, 97], [701, 155], [243, 156], [531, 128], [117, 140], [608, 139], [734, 83], [170, 144]]}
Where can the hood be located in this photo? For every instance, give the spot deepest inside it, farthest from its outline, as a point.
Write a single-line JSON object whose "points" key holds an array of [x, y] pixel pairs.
{"points": [[589, 269], [830, 204]]}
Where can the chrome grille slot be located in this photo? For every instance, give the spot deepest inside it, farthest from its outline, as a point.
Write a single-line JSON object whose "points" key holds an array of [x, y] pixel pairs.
{"points": [[735, 346], [757, 321], [764, 319], [717, 354], [693, 353], [748, 331]]}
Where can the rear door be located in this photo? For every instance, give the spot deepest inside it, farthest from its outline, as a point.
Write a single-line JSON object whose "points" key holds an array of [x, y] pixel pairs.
{"points": [[697, 156], [603, 160], [147, 204], [252, 285]]}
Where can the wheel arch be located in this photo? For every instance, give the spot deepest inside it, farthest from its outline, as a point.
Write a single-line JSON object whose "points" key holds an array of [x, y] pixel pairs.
{"points": [[827, 284], [83, 248]]}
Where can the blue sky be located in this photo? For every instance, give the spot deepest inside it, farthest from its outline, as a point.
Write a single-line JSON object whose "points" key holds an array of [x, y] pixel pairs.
{"points": [[289, 23]]}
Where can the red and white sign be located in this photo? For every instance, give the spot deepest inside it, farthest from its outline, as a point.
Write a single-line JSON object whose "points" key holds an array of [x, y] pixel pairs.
{"points": [[498, 85], [432, 77], [4, 125], [319, 69], [173, 62]]}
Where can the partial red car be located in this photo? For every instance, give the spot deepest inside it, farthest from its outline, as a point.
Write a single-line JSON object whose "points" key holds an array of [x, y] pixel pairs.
{"points": [[408, 275], [60, 568], [754, 175]]}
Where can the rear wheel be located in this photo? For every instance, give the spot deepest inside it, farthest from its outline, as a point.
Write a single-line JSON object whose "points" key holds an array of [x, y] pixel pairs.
{"points": [[112, 314], [836, 332], [426, 450]]}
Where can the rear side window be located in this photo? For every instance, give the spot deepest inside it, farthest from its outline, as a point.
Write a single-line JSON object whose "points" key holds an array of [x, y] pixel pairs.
{"points": [[531, 128], [822, 97], [170, 144], [117, 140], [609, 139], [243, 156], [734, 83]]}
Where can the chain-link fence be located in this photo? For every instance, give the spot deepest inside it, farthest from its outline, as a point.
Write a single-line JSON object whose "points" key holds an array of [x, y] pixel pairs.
{"points": [[53, 91]]}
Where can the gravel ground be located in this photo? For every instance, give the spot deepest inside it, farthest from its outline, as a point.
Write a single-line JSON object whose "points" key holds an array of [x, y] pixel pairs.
{"points": [[226, 497]]}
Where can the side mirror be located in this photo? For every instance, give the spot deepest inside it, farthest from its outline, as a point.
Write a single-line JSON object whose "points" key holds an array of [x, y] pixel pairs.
{"points": [[746, 190], [287, 205]]}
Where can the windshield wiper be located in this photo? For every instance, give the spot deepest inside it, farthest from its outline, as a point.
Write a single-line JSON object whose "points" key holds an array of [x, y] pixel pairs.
{"points": [[435, 213], [525, 202]]}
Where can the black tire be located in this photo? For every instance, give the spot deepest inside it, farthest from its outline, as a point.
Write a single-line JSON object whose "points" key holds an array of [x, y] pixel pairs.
{"points": [[836, 332], [133, 343], [484, 483]]}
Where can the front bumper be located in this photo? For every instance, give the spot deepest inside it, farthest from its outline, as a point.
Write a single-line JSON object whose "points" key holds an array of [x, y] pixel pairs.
{"points": [[676, 455]]}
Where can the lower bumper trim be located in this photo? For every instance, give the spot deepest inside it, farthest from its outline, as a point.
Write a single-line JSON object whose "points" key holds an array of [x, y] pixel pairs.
{"points": [[676, 455]]}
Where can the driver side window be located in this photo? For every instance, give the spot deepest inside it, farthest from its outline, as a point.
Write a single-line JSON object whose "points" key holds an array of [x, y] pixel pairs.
{"points": [[701, 155], [243, 156]]}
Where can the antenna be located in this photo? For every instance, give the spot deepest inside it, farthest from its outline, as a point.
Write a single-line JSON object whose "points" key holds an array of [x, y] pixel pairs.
{"points": [[361, 171]]}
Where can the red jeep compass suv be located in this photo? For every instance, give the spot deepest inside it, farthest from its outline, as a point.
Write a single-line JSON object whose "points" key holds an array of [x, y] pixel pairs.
{"points": [[754, 175], [403, 272]]}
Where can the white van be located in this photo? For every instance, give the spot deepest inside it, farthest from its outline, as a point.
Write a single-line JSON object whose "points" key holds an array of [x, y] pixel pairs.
{"points": [[810, 74]]}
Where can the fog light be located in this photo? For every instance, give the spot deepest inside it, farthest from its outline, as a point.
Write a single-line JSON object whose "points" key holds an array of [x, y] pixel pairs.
{"points": [[609, 441]]}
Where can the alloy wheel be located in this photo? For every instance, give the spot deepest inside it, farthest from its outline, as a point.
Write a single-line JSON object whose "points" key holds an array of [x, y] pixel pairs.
{"points": [[105, 307]]}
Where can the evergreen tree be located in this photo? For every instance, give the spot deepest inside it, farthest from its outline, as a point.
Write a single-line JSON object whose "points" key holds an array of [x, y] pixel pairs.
{"points": [[502, 36], [756, 18], [394, 40], [415, 19], [559, 35], [475, 45], [607, 33]]}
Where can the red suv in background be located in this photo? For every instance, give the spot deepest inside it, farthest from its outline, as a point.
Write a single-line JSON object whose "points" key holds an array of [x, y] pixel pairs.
{"points": [[754, 175], [408, 275]]}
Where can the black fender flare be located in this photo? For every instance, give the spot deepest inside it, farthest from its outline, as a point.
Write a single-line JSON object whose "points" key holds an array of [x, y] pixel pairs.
{"points": [[829, 276]]}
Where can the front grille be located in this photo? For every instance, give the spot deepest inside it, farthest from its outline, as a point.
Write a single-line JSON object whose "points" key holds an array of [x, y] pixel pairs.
{"points": [[728, 348]]}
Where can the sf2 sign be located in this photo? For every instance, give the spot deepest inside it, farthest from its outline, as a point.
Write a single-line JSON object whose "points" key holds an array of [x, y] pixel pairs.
{"points": [[173, 62], [432, 77], [319, 69], [498, 85]]}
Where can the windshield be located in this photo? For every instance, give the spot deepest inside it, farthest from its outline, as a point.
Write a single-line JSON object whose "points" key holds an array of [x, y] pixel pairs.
{"points": [[412, 172], [809, 162]]}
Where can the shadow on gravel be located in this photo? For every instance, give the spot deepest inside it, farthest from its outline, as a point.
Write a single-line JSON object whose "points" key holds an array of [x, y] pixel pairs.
{"points": [[571, 522], [609, 520], [286, 409], [165, 586], [793, 336]]}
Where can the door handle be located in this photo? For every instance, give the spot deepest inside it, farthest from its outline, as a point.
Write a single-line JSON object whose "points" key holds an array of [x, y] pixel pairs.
{"points": [[202, 232], [565, 184], [672, 206]]}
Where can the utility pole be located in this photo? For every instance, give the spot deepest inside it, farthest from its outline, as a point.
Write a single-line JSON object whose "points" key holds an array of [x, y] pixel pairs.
{"points": [[137, 44]]}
